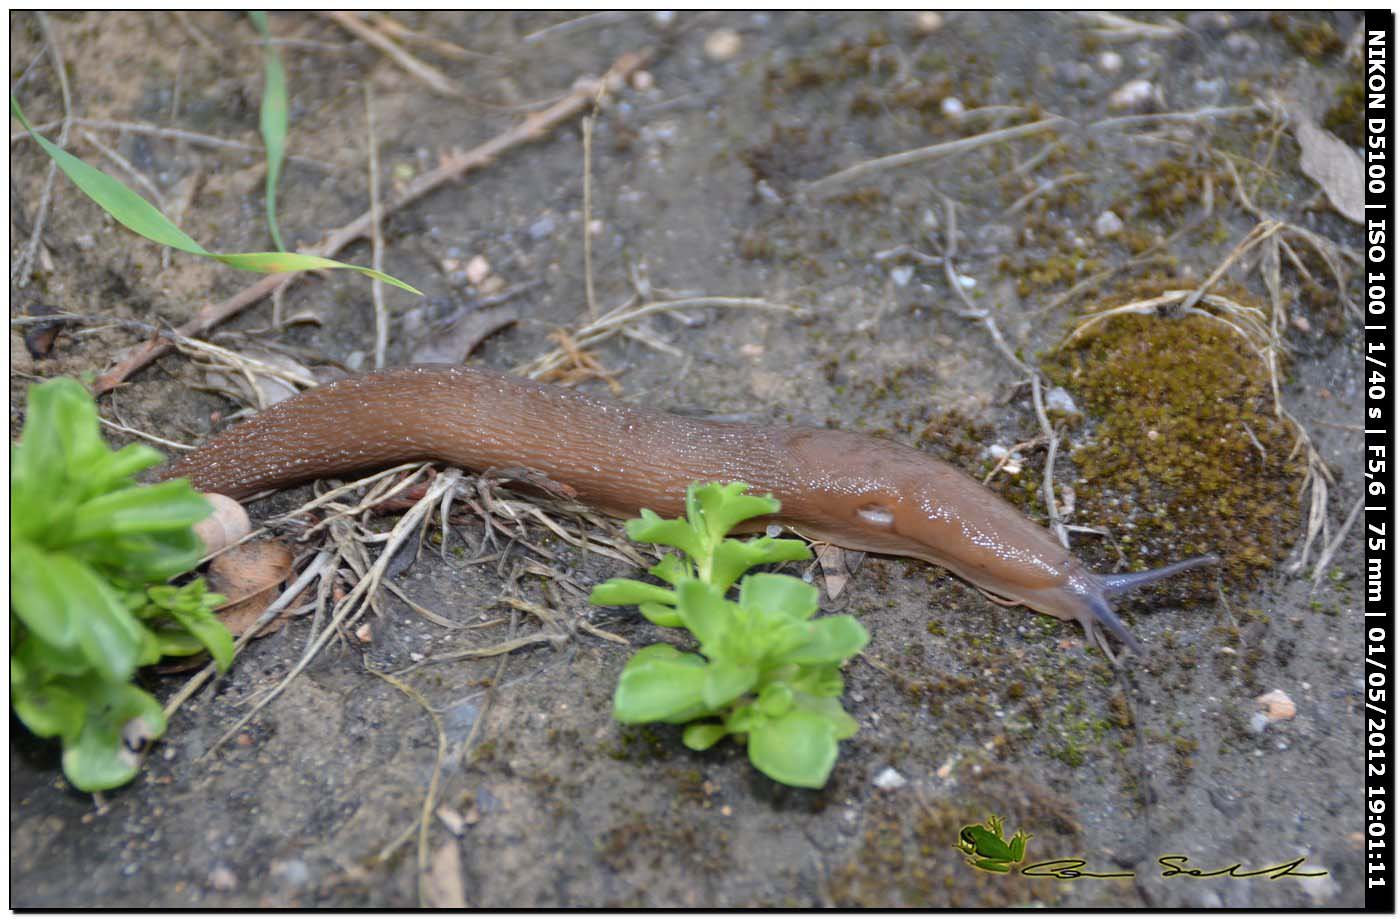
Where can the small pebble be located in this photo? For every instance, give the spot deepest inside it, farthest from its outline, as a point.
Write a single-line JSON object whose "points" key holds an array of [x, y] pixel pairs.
{"points": [[1277, 706], [1241, 44], [953, 107], [926, 22], [223, 878], [478, 269], [1110, 62], [722, 44], [889, 779], [1133, 96], [1258, 722], [901, 275], [1108, 224], [542, 227], [1059, 400]]}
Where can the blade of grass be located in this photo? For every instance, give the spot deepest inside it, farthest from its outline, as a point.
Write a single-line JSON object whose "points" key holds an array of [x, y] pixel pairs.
{"points": [[274, 122], [140, 216]]}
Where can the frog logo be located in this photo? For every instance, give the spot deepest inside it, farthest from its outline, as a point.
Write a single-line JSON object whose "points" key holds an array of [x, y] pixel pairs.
{"points": [[986, 848]]}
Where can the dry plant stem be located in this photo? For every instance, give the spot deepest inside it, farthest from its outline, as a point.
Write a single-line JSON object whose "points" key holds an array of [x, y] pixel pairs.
{"points": [[1073, 178], [1202, 114], [125, 166], [1112, 27], [1047, 430], [614, 321], [588, 214], [381, 312], [1048, 482], [173, 445], [531, 128], [320, 567], [20, 272], [1325, 558], [190, 137], [825, 186], [426, 74], [430, 798], [360, 597]]}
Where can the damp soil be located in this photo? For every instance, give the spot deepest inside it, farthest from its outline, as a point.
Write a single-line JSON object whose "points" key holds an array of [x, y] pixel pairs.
{"points": [[702, 184]]}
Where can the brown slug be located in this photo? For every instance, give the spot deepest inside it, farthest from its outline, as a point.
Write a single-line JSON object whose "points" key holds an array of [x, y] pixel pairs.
{"points": [[849, 489]]}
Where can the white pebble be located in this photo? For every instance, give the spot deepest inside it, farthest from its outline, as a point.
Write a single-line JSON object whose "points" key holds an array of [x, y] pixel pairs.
{"points": [[889, 779], [953, 107], [722, 44], [901, 275], [478, 269], [1108, 224], [1133, 95], [1110, 62], [1058, 400], [927, 22]]}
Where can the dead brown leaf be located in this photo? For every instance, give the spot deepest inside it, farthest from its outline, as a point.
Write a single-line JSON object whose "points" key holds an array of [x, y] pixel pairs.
{"points": [[250, 575], [1332, 164], [443, 887]]}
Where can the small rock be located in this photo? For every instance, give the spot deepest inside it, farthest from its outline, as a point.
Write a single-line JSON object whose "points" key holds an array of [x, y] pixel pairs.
{"points": [[542, 227], [722, 44], [1110, 62], [1074, 73], [292, 872], [1258, 722], [926, 22], [1057, 399], [901, 275], [478, 269], [1277, 706], [222, 878], [642, 81], [1320, 889], [364, 634], [663, 17], [889, 779], [953, 107], [1209, 21], [1107, 224], [1134, 96], [1210, 89], [1241, 44], [85, 241]]}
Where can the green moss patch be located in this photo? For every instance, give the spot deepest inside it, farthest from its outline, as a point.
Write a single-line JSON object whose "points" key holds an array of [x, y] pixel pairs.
{"points": [[1187, 456]]}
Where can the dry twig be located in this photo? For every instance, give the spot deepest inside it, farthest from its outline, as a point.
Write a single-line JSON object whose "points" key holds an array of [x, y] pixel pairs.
{"points": [[531, 128]]}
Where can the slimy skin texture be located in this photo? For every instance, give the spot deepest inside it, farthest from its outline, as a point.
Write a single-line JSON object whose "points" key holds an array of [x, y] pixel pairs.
{"points": [[849, 489]]}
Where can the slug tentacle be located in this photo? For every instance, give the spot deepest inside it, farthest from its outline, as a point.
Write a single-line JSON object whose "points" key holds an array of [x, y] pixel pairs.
{"points": [[1118, 584], [1102, 613]]}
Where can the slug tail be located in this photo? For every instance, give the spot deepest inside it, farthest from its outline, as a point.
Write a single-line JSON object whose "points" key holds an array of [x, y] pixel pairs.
{"points": [[1115, 585]]}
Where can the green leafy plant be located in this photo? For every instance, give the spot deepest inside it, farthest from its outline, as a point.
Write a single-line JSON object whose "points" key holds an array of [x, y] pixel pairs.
{"points": [[272, 119], [768, 673], [90, 554], [140, 216]]}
